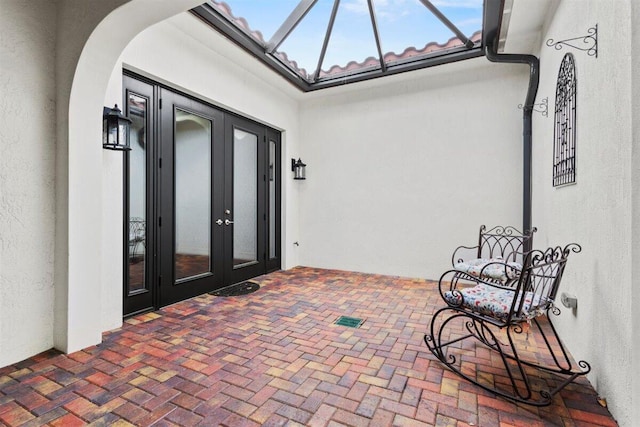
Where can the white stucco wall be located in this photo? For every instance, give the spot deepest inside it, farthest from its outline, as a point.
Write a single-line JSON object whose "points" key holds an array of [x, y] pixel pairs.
{"points": [[596, 212], [398, 169], [635, 216], [27, 177], [112, 208]]}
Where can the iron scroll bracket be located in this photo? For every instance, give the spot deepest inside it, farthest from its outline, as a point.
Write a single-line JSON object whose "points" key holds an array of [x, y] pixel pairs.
{"points": [[589, 42], [542, 107]]}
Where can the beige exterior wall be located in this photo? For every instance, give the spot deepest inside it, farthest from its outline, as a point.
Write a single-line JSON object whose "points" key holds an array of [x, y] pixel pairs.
{"points": [[27, 177], [635, 209], [398, 170], [596, 212]]}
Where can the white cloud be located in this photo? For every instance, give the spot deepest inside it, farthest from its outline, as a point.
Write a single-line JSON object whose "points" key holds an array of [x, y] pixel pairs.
{"points": [[476, 23], [385, 9], [463, 4], [391, 10], [357, 6]]}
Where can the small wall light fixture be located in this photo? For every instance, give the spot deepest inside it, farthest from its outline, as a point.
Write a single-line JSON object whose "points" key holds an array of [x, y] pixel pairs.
{"points": [[298, 169], [569, 301], [115, 129]]}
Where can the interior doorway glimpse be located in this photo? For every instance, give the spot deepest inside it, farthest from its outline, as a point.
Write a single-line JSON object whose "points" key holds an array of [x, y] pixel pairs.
{"points": [[202, 197]]}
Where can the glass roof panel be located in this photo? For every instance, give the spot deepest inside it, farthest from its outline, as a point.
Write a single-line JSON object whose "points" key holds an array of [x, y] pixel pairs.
{"points": [[352, 45], [289, 35], [261, 16], [408, 28], [465, 14], [305, 42]]}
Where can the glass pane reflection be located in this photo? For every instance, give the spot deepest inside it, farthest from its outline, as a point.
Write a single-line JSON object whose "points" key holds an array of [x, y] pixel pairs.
{"points": [[138, 109], [272, 199], [192, 195], [245, 197]]}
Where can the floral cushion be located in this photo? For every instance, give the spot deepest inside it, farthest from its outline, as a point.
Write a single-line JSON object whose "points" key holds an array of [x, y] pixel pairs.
{"points": [[496, 302], [496, 270]]}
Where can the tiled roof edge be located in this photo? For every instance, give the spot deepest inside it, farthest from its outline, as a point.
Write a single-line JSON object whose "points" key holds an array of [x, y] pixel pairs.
{"points": [[291, 63], [409, 52], [225, 9]]}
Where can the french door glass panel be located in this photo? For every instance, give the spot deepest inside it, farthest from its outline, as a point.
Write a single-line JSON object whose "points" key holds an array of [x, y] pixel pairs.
{"points": [[192, 195], [137, 237], [272, 199], [245, 197]]}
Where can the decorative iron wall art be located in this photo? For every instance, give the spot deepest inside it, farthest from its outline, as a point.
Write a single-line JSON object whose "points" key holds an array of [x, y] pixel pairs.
{"points": [[541, 107], [587, 43], [564, 134]]}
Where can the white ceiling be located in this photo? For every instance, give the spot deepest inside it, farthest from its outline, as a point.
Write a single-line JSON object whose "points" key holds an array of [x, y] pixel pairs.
{"points": [[522, 24]]}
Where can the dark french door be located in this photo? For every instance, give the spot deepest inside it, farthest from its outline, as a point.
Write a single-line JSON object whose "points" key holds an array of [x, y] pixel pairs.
{"points": [[210, 184], [191, 180]]}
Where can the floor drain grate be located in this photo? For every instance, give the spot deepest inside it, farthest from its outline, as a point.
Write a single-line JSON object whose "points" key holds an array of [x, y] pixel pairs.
{"points": [[351, 322]]}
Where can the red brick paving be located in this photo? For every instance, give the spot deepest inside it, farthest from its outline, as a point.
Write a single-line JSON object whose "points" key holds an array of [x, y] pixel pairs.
{"points": [[275, 357]]}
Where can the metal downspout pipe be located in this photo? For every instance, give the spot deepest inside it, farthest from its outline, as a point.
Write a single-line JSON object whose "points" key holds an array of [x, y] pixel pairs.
{"points": [[527, 125]]}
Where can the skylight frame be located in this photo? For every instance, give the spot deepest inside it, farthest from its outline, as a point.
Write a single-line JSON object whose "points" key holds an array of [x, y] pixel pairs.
{"points": [[267, 52]]}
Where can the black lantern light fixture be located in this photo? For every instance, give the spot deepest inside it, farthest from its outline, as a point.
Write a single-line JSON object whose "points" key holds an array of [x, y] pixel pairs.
{"points": [[115, 129], [298, 169]]}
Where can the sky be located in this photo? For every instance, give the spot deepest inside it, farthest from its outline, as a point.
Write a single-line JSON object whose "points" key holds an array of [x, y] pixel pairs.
{"points": [[401, 23]]}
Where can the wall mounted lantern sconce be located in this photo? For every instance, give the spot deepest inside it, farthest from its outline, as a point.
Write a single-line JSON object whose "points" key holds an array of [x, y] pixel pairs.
{"points": [[115, 129], [298, 169]]}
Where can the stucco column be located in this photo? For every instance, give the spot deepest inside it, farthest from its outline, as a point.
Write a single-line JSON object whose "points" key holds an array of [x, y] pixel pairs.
{"points": [[91, 36], [635, 215], [27, 177]]}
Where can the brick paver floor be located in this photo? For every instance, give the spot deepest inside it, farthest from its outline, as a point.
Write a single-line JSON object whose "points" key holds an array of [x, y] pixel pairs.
{"points": [[275, 357]]}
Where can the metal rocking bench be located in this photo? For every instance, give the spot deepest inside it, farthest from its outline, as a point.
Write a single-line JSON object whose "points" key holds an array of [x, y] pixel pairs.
{"points": [[491, 308]]}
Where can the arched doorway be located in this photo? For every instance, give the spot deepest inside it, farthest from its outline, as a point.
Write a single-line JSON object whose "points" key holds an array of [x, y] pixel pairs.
{"points": [[89, 50]]}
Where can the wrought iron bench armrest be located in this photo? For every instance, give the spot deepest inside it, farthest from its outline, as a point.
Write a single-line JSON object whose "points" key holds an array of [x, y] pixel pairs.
{"points": [[493, 270], [511, 271], [453, 280], [463, 250]]}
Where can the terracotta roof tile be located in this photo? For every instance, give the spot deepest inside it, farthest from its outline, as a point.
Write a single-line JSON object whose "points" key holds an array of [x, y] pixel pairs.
{"points": [[391, 57], [282, 56], [225, 9]]}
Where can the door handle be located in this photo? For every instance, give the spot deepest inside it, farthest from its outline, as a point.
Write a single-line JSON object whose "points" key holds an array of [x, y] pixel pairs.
{"points": [[219, 221], [227, 222]]}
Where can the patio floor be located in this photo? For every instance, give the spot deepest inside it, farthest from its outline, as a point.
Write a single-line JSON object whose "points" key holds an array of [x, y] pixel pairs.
{"points": [[275, 357]]}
